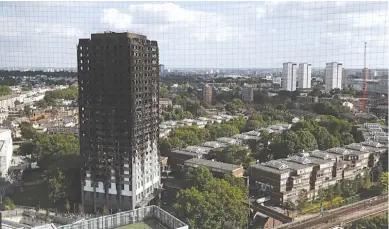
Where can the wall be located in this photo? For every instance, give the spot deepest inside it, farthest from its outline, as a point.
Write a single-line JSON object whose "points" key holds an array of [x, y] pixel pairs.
{"points": [[6, 151]]}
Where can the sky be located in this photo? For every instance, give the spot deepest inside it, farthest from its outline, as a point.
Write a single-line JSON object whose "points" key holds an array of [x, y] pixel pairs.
{"points": [[201, 34]]}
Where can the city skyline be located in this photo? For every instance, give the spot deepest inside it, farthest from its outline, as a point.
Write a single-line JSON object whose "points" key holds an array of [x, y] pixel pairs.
{"points": [[198, 35]]}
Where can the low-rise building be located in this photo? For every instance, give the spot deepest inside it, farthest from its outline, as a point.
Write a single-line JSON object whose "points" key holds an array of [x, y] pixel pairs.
{"points": [[215, 144], [284, 179], [165, 103], [245, 138], [307, 99], [63, 129], [229, 141], [218, 169], [176, 158]]}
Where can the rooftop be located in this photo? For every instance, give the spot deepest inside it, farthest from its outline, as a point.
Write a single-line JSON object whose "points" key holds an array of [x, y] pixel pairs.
{"points": [[150, 217], [269, 168], [194, 162]]}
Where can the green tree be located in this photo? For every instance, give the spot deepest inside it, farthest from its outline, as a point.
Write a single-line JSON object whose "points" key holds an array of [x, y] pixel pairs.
{"points": [[163, 92], [65, 144], [41, 104], [291, 142], [70, 93], [330, 193], [67, 206], [234, 154], [237, 182], [349, 90], [235, 106], [346, 139], [198, 177], [27, 111], [55, 180], [324, 139], [164, 146], [253, 125], [219, 203], [222, 130], [27, 131], [261, 97], [8, 203], [4, 90], [240, 123], [302, 200], [384, 181], [26, 148]]}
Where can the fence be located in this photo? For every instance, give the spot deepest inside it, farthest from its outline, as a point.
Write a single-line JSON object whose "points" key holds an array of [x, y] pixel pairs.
{"points": [[129, 217]]}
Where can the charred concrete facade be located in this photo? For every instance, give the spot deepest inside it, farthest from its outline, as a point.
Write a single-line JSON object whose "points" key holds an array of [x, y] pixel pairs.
{"points": [[118, 78]]}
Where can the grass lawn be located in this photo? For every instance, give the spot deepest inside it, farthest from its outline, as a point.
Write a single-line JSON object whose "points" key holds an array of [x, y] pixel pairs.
{"points": [[147, 224]]}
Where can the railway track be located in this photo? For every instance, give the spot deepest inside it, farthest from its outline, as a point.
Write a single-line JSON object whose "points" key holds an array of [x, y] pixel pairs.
{"points": [[334, 216]]}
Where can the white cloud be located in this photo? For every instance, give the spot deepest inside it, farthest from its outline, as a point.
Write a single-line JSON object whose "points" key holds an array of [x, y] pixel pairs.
{"points": [[116, 19], [160, 18]]}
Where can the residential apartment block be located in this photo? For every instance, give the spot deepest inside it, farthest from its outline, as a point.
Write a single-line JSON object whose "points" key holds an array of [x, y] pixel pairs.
{"points": [[207, 94], [118, 78], [304, 75], [283, 179], [247, 93], [289, 76], [333, 76]]}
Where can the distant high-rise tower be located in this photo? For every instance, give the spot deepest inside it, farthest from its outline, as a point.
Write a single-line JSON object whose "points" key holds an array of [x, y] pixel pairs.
{"points": [[333, 76], [344, 78], [304, 75], [247, 93], [289, 76], [118, 78], [207, 94], [161, 70]]}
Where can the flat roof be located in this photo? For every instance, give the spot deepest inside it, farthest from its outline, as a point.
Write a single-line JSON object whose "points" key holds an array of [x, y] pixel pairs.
{"points": [[212, 164], [246, 137], [183, 152], [270, 169], [318, 161], [295, 165]]}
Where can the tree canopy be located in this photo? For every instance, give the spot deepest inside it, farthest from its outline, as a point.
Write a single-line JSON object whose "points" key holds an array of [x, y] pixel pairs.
{"points": [[216, 204], [70, 93], [163, 92], [27, 131], [5, 90], [291, 142], [233, 154]]}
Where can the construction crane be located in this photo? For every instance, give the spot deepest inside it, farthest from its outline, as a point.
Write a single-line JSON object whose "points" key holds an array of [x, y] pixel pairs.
{"points": [[364, 81]]}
